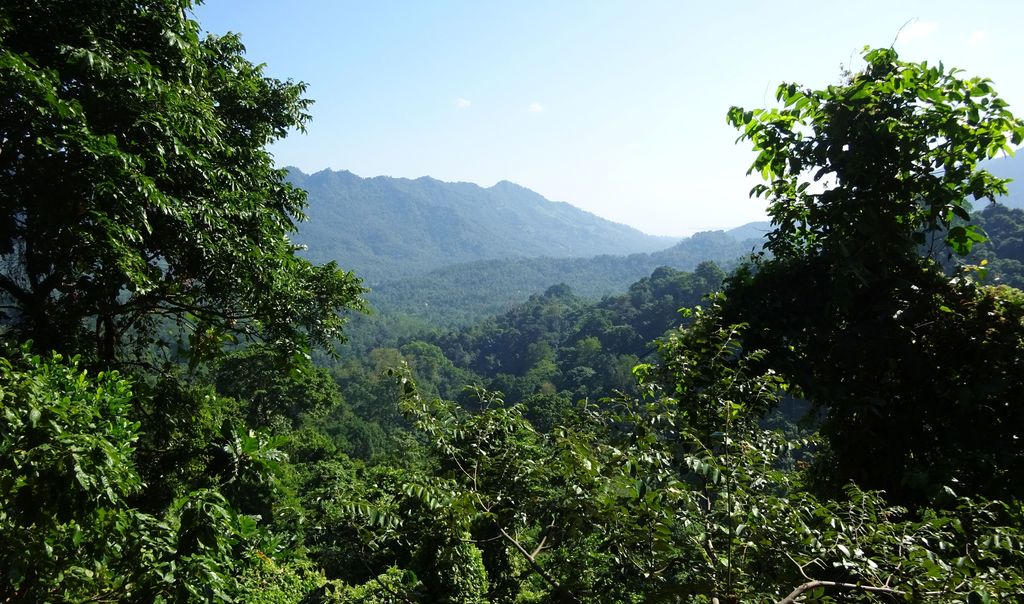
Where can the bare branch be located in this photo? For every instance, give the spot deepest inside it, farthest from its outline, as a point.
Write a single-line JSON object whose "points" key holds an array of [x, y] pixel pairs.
{"points": [[543, 539], [537, 567], [793, 595]]}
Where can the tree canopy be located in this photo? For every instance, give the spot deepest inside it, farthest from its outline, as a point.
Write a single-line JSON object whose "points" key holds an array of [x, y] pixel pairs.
{"points": [[867, 182], [895, 151], [135, 184]]}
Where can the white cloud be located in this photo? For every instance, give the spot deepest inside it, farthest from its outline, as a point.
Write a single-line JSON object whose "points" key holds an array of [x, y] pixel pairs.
{"points": [[977, 37], [917, 30], [463, 103], [536, 107]]}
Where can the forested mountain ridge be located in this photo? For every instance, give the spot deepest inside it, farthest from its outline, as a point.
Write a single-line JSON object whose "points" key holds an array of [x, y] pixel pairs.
{"points": [[463, 293], [388, 228]]}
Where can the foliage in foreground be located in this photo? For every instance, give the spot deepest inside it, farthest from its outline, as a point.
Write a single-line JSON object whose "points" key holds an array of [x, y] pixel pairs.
{"points": [[677, 496], [682, 496], [907, 365], [67, 477]]}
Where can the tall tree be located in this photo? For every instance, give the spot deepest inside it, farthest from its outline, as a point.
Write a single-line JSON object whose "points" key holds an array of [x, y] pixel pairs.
{"points": [[866, 182], [135, 183]]}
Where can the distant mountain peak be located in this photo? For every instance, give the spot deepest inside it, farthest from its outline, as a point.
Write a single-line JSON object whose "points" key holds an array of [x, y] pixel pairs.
{"points": [[508, 184]]}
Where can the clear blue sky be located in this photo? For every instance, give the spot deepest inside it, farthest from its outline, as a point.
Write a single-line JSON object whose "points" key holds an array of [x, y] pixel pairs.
{"points": [[617, 107]]}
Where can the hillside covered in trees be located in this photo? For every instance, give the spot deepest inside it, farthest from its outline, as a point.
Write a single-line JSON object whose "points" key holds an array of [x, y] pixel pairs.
{"points": [[837, 418], [462, 294], [399, 227]]}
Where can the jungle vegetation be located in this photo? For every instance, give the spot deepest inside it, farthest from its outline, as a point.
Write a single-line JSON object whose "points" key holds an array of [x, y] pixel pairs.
{"points": [[837, 419]]}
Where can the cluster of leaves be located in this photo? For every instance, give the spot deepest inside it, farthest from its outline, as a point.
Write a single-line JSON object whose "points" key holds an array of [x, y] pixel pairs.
{"points": [[67, 482], [50, 455], [896, 148]]}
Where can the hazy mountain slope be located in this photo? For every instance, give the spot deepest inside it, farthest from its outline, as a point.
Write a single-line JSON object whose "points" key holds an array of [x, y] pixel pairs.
{"points": [[386, 228], [1008, 167], [465, 293], [751, 230]]}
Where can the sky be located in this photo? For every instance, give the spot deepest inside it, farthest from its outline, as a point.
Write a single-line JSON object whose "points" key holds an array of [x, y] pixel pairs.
{"points": [[617, 107]]}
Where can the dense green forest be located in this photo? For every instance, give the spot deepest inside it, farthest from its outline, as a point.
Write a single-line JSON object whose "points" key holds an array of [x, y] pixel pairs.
{"points": [[462, 294], [836, 418]]}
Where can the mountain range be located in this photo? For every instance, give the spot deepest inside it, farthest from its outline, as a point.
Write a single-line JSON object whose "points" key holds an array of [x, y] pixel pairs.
{"points": [[452, 253], [387, 228]]}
